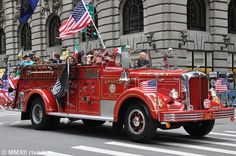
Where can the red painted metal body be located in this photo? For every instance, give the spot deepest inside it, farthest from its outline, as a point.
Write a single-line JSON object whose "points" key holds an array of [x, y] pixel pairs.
{"points": [[96, 92]]}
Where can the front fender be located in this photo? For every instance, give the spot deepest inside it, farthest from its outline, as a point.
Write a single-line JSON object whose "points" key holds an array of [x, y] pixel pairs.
{"points": [[136, 93], [50, 103]]}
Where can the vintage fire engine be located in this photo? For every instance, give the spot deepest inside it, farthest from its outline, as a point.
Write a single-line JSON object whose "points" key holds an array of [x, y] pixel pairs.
{"points": [[100, 93]]}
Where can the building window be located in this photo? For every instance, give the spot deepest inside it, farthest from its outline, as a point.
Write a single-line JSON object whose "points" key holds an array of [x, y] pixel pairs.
{"points": [[53, 26], [132, 16], [232, 17], [1, 5], [25, 37], [2, 42], [1, 9], [196, 15]]}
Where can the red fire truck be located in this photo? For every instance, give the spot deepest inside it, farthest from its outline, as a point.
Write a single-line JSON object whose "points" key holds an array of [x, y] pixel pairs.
{"points": [[123, 96]]}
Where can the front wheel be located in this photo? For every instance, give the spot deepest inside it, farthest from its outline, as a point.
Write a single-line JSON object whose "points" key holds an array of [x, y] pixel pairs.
{"points": [[39, 119], [139, 124], [199, 128]]}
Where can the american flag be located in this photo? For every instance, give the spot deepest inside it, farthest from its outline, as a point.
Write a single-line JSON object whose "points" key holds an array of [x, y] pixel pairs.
{"points": [[79, 19], [5, 95], [149, 86], [221, 85], [13, 81]]}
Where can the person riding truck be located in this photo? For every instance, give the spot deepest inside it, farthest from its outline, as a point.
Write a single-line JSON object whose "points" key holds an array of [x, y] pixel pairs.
{"points": [[27, 60], [142, 61]]}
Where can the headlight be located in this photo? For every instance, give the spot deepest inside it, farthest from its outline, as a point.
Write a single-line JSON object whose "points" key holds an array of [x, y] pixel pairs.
{"points": [[207, 104], [174, 94], [213, 92]]}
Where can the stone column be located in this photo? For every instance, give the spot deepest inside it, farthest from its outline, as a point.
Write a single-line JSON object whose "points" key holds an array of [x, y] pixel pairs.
{"points": [[38, 31], [218, 28], [166, 19], [108, 21], [10, 28]]}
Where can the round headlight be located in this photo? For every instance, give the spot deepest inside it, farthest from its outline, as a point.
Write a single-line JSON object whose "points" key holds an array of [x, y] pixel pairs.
{"points": [[213, 92], [174, 94], [207, 103]]}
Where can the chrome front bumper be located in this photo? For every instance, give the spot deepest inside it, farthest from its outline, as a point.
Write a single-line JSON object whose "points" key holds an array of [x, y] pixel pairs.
{"points": [[186, 116]]}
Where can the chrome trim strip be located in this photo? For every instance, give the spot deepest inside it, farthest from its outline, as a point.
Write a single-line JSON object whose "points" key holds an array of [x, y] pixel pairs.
{"points": [[79, 116], [231, 113], [223, 114], [178, 117], [40, 72], [181, 120], [193, 114], [225, 111]]}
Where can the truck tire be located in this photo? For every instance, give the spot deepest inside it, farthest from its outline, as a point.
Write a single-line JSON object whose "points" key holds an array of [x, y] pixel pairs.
{"points": [[139, 125], [199, 128], [93, 123], [39, 119], [118, 126]]}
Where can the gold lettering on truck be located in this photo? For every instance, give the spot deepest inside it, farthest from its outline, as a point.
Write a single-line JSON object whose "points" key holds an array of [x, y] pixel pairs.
{"points": [[111, 82]]}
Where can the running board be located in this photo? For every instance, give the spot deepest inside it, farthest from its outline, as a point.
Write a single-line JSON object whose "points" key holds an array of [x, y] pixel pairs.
{"points": [[79, 116]]}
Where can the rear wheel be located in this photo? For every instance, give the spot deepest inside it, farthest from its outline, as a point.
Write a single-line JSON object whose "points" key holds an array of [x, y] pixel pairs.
{"points": [[39, 118], [93, 123], [199, 128], [139, 124]]}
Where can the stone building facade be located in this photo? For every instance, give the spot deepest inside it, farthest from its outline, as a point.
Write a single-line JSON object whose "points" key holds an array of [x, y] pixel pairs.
{"points": [[201, 32]]}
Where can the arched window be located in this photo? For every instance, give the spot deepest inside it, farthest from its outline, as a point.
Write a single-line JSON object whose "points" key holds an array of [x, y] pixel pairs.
{"points": [[25, 37], [1, 5], [132, 16], [232, 17], [196, 15], [1, 11], [53, 31], [2, 42]]}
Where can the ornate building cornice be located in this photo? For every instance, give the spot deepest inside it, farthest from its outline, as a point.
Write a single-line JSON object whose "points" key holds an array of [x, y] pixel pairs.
{"points": [[51, 6]]}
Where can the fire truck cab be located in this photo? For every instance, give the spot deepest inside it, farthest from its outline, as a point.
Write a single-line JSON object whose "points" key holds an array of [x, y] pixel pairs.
{"points": [[100, 93]]}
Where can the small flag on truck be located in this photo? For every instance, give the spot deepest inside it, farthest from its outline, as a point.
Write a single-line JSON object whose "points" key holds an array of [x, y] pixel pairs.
{"points": [[149, 86]]}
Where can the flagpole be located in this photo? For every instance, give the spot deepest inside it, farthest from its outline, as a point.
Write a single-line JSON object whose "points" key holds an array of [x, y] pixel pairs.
{"points": [[8, 74], [68, 74], [99, 35]]}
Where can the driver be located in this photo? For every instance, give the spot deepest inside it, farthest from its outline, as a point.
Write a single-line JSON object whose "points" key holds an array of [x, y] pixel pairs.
{"points": [[142, 60]]}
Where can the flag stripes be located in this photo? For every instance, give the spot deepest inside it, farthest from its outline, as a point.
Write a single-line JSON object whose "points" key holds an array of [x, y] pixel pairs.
{"points": [[149, 86], [79, 19], [221, 85]]}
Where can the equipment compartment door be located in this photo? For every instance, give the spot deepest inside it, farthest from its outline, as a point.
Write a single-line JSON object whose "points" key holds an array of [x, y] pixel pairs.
{"points": [[71, 98], [89, 92]]}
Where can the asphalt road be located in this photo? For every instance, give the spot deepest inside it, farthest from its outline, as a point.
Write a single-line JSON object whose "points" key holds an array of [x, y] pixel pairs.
{"points": [[19, 138]]}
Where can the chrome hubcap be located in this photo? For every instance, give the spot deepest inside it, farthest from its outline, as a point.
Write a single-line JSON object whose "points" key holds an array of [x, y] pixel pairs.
{"points": [[37, 113], [136, 121]]}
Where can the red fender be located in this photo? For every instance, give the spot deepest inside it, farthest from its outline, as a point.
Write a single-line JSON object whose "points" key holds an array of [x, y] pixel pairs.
{"points": [[50, 103], [135, 93]]}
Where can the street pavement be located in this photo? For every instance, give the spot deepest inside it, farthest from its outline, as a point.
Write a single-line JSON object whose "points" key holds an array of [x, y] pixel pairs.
{"points": [[19, 138]]}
